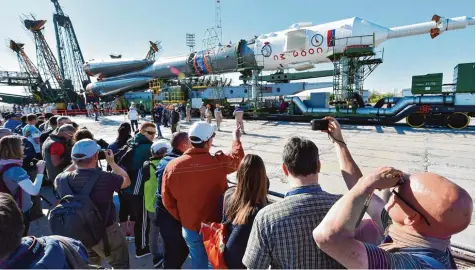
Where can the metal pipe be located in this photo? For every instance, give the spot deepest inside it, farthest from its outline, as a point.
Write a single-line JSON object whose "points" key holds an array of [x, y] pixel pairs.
{"points": [[399, 106]]}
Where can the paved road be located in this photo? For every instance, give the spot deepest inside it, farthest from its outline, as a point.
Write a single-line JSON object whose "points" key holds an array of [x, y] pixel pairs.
{"points": [[447, 152]]}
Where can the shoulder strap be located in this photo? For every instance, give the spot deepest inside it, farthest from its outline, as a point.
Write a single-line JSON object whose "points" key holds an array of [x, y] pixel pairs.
{"points": [[434, 263], [74, 259], [90, 184], [224, 199], [24, 260], [65, 187], [7, 167], [153, 166]]}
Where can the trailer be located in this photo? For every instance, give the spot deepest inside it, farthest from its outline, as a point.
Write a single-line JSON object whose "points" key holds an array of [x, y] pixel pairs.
{"points": [[432, 103]]}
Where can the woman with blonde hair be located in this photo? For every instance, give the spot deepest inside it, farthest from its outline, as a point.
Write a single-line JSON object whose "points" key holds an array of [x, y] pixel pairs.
{"points": [[15, 179], [241, 204]]}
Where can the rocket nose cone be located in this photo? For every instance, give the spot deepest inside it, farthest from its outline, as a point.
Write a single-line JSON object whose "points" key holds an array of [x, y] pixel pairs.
{"points": [[89, 88], [87, 69]]}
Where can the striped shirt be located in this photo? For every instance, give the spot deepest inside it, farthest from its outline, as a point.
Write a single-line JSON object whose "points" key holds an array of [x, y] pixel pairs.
{"points": [[281, 236], [404, 258]]}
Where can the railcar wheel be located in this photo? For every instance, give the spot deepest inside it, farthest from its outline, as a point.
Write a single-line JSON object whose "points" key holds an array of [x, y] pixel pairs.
{"points": [[416, 120], [458, 120]]}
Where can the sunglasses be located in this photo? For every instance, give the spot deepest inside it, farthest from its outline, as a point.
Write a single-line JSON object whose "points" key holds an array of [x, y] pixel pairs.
{"points": [[406, 202], [152, 133]]}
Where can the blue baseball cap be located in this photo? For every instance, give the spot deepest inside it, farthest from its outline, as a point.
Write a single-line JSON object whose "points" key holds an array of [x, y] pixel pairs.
{"points": [[84, 149]]}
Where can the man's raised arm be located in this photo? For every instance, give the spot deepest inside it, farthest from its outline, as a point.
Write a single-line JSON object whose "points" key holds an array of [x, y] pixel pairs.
{"points": [[335, 235], [351, 172]]}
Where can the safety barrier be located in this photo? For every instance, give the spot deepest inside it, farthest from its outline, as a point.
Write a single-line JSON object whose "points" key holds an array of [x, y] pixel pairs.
{"points": [[85, 112]]}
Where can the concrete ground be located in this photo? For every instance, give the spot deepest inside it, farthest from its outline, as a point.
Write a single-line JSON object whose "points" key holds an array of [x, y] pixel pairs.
{"points": [[450, 153]]}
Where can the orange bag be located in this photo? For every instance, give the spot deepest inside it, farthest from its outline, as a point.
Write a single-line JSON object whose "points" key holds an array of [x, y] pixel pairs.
{"points": [[214, 241]]}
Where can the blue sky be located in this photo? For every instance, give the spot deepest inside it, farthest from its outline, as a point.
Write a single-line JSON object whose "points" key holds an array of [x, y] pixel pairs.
{"points": [[126, 26]]}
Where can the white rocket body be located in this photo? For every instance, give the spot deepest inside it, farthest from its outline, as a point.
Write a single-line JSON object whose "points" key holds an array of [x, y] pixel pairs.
{"points": [[304, 45], [300, 47]]}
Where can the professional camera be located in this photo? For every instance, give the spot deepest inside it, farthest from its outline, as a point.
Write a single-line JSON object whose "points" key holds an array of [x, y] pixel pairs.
{"points": [[319, 124]]}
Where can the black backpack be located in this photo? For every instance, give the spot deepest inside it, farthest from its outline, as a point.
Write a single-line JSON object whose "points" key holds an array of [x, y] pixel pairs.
{"points": [[124, 157], [76, 216]]}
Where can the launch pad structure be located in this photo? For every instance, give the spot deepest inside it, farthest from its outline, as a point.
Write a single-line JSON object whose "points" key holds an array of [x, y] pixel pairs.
{"points": [[350, 45]]}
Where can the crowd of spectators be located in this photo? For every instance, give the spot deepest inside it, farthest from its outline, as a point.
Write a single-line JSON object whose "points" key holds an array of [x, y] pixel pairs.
{"points": [[170, 189]]}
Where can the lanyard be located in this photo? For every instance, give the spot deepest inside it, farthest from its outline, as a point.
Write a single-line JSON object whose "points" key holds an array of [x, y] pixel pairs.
{"points": [[304, 189]]}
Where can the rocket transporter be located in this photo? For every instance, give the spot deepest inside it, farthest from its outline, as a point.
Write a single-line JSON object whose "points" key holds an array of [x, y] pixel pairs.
{"points": [[300, 47]]}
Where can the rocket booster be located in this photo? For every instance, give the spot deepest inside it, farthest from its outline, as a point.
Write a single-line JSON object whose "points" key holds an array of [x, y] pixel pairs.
{"points": [[300, 47]]}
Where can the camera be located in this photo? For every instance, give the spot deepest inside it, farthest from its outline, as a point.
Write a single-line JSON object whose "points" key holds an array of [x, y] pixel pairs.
{"points": [[102, 154], [319, 124], [33, 162]]}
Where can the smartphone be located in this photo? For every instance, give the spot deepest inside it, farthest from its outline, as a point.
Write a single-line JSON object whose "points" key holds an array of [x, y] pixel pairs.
{"points": [[319, 124]]}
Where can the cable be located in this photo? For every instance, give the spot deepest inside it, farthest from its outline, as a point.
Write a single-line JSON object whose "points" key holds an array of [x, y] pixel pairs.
{"points": [[330, 135]]}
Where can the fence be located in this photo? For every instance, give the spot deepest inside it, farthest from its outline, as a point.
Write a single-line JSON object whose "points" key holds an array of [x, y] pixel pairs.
{"points": [[74, 112]]}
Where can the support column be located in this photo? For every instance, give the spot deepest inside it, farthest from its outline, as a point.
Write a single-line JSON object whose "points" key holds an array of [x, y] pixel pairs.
{"points": [[254, 87]]}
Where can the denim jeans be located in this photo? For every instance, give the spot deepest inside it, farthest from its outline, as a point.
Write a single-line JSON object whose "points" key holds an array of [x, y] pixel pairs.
{"points": [[196, 248], [159, 133], [175, 247], [155, 240]]}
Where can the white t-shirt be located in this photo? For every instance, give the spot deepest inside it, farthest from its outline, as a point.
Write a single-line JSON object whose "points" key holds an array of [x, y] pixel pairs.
{"points": [[132, 114]]}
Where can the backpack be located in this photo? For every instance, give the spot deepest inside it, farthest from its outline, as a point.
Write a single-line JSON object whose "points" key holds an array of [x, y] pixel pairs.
{"points": [[77, 217], [124, 157], [3, 187]]}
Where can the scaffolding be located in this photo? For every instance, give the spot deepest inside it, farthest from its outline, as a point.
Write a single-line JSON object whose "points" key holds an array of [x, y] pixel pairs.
{"points": [[352, 65], [155, 85], [256, 88], [173, 97]]}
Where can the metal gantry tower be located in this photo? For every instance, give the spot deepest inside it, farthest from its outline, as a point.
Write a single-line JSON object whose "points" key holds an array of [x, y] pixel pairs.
{"points": [[154, 48], [25, 62], [47, 64], [70, 57], [36, 87], [218, 21], [213, 36]]}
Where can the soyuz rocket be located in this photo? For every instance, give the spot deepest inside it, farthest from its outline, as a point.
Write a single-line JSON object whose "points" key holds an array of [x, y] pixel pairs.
{"points": [[300, 47]]}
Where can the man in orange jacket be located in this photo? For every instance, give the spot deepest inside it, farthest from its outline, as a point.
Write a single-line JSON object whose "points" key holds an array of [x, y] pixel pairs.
{"points": [[193, 184]]}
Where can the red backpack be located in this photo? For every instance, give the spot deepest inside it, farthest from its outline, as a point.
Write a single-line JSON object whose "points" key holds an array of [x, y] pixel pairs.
{"points": [[4, 188]]}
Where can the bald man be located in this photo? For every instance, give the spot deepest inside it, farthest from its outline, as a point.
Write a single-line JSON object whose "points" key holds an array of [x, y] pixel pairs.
{"points": [[425, 210]]}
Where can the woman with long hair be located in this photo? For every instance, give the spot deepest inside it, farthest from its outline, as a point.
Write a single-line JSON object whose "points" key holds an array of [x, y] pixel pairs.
{"points": [[241, 204], [123, 135], [15, 179], [127, 225]]}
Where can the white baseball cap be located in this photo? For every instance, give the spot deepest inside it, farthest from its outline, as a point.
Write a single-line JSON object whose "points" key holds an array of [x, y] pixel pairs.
{"points": [[156, 146], [202, 130]]}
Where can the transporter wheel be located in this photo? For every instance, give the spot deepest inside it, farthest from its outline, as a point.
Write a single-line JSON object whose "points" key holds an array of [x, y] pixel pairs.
{"points": [[458, 120], [416, 120]]}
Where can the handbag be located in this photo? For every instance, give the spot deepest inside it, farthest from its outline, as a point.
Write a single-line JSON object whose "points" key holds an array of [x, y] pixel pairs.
{"points": [[214, 239]]}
